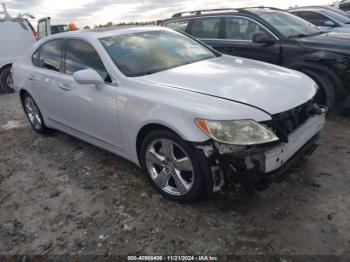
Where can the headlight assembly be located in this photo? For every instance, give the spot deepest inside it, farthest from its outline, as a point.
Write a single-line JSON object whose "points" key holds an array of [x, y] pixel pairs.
{"points": [[237, 132]]}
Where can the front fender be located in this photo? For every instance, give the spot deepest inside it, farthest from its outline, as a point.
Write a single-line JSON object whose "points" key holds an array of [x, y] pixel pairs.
{"points": [[139, 106]]}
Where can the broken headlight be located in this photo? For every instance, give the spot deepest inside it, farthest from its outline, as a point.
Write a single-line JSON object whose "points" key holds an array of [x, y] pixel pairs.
{"points": [[237, 132]]}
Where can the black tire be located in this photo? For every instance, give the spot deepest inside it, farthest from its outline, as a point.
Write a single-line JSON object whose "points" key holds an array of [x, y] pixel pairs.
{"points": [[5, 74], [198, 187], [326, 93], [40, 128]]}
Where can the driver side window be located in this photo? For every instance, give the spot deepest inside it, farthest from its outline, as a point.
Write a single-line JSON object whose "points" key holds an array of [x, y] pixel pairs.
{"points": [[240, 28]]}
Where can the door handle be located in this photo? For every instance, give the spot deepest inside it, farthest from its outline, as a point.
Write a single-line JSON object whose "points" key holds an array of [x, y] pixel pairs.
{"points": [[31, 77], [65, 87]]}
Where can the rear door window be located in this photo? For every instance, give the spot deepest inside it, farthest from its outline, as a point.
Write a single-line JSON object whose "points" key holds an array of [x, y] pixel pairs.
{"points": [[35, 57], [241, 28], [51, 55], [81, 55], [179, 25], [206, 28]]}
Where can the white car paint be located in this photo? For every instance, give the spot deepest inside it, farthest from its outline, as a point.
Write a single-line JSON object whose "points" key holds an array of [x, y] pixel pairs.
{"points": [[276, 157], [232, 82], [112, 116], [16, 38]]}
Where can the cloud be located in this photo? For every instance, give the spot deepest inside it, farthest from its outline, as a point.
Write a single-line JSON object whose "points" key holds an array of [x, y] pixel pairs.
{"points": [[94, 12]]}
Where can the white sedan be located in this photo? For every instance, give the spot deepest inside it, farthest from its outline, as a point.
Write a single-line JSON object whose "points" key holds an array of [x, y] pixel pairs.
{"points": [[193, 119]]}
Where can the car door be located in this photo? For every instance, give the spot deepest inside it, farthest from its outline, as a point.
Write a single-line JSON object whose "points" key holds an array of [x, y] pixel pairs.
{"points": [[238, 40], [44, 27], [44, 79], [209, 31], [91, 110]]}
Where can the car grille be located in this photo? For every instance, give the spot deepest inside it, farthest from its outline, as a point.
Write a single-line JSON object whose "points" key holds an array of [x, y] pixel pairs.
{"points": [[285, 123]]}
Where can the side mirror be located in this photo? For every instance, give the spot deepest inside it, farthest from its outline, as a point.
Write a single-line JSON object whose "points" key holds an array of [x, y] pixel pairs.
{"points": [[88, 77], [329, 23], [263, 38]]}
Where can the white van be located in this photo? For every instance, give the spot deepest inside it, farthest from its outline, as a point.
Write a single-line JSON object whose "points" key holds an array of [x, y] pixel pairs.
{"points": [[16, 36]]}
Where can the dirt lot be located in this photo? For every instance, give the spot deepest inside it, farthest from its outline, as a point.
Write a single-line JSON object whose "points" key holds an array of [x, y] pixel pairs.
{"points": [[59, 195]]}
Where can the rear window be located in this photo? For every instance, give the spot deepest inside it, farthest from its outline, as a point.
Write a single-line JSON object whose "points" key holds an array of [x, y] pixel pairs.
{"points": [[35, 57], [206, 28], [49, 55]]}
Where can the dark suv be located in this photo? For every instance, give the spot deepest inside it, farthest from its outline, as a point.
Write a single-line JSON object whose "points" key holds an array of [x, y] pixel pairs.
{"points": [[275, 36]]}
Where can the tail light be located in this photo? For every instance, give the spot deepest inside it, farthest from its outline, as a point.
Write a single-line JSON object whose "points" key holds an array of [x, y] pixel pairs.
{"points": [[35, 34]]}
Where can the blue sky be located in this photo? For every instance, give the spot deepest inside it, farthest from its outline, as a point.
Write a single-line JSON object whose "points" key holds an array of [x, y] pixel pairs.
{"points": [[94, 12]]}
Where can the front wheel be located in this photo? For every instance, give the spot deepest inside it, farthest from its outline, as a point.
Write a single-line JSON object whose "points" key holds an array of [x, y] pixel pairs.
{"points": [[33, 114], [171, 166]]}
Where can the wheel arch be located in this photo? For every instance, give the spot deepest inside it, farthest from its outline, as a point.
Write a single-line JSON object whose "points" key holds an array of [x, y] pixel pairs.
{"points": [[321, 69], [148, 128], [5, 66], [22, 92]]}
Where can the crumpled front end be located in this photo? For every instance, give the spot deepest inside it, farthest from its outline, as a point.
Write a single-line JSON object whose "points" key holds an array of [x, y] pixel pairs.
{"points": [[298, 131]]}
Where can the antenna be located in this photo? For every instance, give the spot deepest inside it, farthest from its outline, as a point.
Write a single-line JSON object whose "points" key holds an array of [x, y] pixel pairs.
{"points": [[5, 13]]}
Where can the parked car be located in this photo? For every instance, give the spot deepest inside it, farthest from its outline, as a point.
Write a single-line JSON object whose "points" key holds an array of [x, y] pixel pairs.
{"points": [[191, 117], [278, 37], [17, 35], [325, 19], [325, 7], [345, 5]]}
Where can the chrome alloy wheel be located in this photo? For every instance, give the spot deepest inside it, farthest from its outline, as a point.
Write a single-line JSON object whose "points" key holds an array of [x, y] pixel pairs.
{"points": [[170, 167], [33, 112], [9, 81]]}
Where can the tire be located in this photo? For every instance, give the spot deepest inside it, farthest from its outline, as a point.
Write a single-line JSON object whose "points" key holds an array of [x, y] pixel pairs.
{"points": [[171, 166], [326, 93], [33, 114], [6, 82]]}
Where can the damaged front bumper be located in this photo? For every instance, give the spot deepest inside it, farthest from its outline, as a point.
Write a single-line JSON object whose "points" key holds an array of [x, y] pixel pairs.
{"points": [[259, 165]]}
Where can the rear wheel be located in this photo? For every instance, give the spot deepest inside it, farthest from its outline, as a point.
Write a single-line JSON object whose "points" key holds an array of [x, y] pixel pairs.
{"points": [[171, 166], [326, 92], [6, 81], [33, 114]]}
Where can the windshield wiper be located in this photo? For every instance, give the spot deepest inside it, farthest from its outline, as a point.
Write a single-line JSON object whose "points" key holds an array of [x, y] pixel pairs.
{"points": [[304, 35], [297, 36]]}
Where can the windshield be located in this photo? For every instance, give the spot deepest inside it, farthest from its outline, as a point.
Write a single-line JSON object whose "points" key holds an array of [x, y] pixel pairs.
{"points": [[145, 53], [337, 10], [341, 18], [289, 25]]}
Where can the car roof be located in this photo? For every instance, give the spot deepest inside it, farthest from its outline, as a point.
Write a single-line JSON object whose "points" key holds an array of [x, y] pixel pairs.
{"points": [[106, 32], [309, 8], [223, 11]]}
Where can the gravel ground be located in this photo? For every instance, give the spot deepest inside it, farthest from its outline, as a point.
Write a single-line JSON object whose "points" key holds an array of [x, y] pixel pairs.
{"points": [[59, 195]]}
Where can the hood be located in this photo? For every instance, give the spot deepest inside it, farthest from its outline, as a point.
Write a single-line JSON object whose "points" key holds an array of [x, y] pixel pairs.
{"points": [[271, 88], [335, 42]]}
